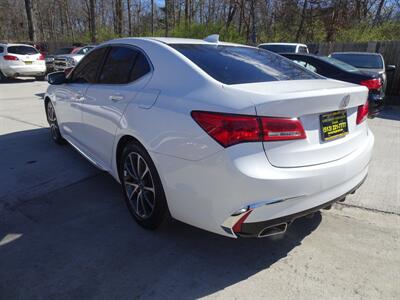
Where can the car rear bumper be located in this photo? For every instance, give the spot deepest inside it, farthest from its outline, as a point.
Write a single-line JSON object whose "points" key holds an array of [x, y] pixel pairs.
{"points": [[210, 192], [25, 70], [376, 104]]}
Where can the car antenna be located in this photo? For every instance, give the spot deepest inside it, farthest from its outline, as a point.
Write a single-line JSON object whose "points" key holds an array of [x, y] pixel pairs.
{"points": [[213, 38]]}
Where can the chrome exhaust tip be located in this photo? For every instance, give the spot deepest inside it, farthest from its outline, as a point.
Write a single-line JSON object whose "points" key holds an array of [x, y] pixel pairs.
{"points": [[273, 230]]}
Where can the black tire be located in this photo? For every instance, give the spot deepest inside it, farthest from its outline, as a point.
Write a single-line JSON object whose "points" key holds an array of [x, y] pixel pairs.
{"points": [[148, 208], [39, 78], [2, 76], [54, 129]]}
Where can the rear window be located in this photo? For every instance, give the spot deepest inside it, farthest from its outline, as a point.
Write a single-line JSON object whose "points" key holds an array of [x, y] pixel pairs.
{"points": [[340, 64], [362, 61], [237, 65], [302, 49], [279, 48], [23, 50]]}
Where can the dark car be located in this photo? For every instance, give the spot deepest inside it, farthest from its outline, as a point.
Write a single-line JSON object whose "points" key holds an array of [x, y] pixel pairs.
{"points": [[367, 62], [50, 57], [336, 69]]}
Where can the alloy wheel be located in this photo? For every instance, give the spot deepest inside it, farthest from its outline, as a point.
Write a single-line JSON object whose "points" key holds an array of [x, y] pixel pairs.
{"points": [[139, 185]]}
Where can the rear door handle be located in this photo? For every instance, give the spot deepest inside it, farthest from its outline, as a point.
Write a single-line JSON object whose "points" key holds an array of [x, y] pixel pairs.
{"points": [[116, 98]]}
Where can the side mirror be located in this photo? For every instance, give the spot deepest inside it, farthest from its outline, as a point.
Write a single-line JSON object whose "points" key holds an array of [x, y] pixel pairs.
{"points": [[57, 78], [390, 68]]}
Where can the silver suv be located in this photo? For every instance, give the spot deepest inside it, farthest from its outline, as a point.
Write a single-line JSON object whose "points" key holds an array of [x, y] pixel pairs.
{"points": [[65, 61]]}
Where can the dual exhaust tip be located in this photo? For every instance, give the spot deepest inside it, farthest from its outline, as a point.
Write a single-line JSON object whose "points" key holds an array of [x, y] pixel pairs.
{"points": [[273, 230]]}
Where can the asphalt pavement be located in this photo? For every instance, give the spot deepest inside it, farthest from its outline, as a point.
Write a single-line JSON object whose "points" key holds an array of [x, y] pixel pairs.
{"points": [[65, 232]]}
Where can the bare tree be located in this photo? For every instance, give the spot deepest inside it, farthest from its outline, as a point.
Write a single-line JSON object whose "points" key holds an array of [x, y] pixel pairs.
{"points": [[92, 18], [30, 13]]}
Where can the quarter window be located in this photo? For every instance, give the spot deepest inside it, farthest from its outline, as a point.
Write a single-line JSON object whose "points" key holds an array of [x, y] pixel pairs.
{"points": [[86, 70]]}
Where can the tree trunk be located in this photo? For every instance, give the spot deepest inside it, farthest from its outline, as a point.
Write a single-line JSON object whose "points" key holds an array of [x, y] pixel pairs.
{"points": [[29, 6], [152, 17], [166, 17], [128, 4], [92, 19], [253, 22], [301, 25], [118, 17]]}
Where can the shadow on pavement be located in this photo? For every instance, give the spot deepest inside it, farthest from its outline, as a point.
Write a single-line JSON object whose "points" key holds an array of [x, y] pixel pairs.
{"points": [[78, 240], [18, 80], [390, 113]]}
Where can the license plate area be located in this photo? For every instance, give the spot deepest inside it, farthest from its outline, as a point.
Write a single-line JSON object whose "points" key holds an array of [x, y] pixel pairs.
{"points": [[27, 62], [333, 125]]}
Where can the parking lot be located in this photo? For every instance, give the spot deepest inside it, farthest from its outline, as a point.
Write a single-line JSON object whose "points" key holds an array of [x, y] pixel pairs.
{"points": [[65, 232]]}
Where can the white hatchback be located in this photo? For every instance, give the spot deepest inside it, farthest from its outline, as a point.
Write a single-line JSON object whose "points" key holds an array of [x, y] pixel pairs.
{"points": [[21, 60], [229, 138]]}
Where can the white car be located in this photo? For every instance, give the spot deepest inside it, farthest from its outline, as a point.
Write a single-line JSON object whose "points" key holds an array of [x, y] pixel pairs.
{"points": [[284, 47], [21, 60], [229, 138]]}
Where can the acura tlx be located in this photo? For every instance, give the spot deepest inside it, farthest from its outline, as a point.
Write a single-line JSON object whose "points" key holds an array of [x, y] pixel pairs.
{"points": [[230, 138]]}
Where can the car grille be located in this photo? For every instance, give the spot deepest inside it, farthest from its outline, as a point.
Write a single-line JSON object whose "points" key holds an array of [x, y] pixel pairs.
{"points": [[60, 63]]}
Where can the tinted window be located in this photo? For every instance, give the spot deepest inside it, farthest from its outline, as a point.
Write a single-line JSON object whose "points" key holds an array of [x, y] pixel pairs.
{"points": [[306, 65], [363, 61], [86, 70], [236, 65], [1, 49], [84, 50], [302, 49], [118, 65], [23, 50], [140, 68], [279, 48], [339, 64], [64, 51]]}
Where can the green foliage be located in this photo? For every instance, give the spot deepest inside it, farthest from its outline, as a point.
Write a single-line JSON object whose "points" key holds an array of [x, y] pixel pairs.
{"points": [[387, 31]]}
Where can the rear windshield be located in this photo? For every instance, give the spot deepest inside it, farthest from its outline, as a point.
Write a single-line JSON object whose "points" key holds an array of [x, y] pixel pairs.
{"points": [[340, 64], [362, 61], [237, 65], [279, 48], [24, 50], [64, 51]]}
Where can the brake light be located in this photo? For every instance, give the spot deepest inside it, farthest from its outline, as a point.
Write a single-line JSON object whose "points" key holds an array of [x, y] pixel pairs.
{"points": [[362, 113], [372, 84], [279, 129], [10, 57], [230, 129], [41, 57]]}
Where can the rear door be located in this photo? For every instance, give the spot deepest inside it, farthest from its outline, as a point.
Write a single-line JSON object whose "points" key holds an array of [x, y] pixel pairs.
{"points": [[71, 96], [125, 73]]}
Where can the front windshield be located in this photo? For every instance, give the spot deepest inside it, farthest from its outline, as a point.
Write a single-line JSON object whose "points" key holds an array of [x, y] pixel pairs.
{"points": [[362, 61], [64, 51], [339, 64]]}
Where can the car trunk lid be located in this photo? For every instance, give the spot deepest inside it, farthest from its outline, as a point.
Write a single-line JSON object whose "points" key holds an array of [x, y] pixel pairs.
{"points": [[307, 100]]}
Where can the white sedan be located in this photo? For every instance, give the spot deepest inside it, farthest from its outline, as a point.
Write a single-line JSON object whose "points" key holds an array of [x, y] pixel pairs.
{"points": [[229, 138]]}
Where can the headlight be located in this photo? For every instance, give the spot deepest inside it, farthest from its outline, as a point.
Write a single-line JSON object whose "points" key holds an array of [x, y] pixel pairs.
{"points": [[71, 61], [49, 59]]}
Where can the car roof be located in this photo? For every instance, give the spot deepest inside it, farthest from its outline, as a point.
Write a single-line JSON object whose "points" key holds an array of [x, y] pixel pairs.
{"points": [[285, 44], [172, 40], [358, 53], [9, 45]]}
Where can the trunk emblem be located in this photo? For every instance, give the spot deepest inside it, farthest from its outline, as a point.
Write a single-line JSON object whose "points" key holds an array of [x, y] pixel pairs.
{"points": [[345, 101]]}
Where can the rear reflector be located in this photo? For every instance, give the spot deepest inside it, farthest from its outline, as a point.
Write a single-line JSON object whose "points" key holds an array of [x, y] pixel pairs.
{"points": [[238, 225], [372, 84], [10, 57], [362, 113], [230, 129]]}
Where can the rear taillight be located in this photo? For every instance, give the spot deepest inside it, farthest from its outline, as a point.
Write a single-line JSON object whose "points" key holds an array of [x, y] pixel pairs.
{"points": [[10, 57], [228, 129], [372, 84], [41, 57], [362, 113], [280, 129]]}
